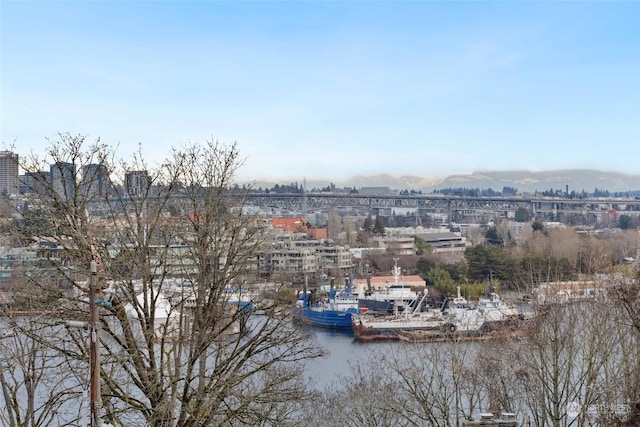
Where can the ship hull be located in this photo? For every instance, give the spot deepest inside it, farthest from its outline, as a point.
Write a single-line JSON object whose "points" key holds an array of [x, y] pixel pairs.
{"points": [[334, 319], [366, 328]]}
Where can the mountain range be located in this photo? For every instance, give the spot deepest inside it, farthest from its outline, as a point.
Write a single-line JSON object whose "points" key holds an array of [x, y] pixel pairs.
{"points": [[524, 181]]}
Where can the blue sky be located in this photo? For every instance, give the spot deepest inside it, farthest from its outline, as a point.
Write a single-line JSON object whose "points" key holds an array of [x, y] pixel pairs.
{"points": [[331, 89]]}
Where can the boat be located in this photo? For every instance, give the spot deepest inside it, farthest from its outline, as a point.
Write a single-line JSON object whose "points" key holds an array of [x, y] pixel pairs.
{"points": [[459, 303], [333, 312], [369, 327], [496, 313], [456, 319], [490, 314], [422, 336], [394, 298], [505, 419]]}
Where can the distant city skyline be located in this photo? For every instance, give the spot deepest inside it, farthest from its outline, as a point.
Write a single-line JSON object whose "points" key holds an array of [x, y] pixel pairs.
{"points": [[331, 89]]}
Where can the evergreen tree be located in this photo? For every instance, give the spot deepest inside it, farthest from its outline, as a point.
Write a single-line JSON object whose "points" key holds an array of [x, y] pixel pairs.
{"points": [[492, 237], [440, 278], [368, 225], [625, 222], [537, 226], [378, 227], [424, 265], [422, 245], [522, 215]]}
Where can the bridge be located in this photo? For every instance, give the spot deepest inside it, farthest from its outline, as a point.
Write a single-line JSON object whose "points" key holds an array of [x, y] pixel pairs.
{"points": [[437, 203]]}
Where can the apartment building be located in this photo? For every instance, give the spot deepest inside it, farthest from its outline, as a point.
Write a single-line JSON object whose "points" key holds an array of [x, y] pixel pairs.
{"points": [[297, 254], [8, 172]]}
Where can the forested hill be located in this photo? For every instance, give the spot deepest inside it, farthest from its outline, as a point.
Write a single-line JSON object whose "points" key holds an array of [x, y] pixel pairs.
{"points": [[565, 181], [523, 181]]}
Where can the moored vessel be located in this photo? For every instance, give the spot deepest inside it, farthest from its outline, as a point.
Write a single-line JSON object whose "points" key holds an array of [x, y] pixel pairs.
{"points": [[393, 299], [333, 312], [492, 317], [504, 419], [369, 327]]}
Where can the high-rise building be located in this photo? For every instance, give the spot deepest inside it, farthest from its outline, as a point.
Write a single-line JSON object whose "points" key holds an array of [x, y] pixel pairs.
{"points": [[136, 183], [94, 180], [63, 177], [34, 182], [8, 172]]}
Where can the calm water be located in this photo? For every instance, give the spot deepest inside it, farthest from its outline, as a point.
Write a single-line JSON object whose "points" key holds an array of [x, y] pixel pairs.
{"points": [[343, 351]]}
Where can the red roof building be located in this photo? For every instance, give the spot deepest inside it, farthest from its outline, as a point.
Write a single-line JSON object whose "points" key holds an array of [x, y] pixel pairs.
{"points": [[298, 225], [291, 225]]}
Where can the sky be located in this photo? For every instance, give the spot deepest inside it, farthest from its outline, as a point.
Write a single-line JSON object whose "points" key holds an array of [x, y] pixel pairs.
{"points": [[331, 89]]}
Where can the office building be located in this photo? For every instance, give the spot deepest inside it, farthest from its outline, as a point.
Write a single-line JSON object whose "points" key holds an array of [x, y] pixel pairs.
{"points": [[63, 177], [95, 178], [136, 183]]}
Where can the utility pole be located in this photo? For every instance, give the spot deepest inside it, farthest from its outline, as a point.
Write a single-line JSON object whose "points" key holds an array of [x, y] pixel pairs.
{"points": [[94, 349]]}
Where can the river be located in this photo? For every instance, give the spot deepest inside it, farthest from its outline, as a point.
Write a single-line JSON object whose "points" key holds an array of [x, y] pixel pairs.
{"points": [[343, 351]]}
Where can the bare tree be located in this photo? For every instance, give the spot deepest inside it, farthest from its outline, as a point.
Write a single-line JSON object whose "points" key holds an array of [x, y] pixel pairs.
{"points": [[503, 232], [334, 225], [626, 291], [431, 384], [569, 362], [349, 228], [368, 397], [174, 251], [624, 246], [39, 386]]}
